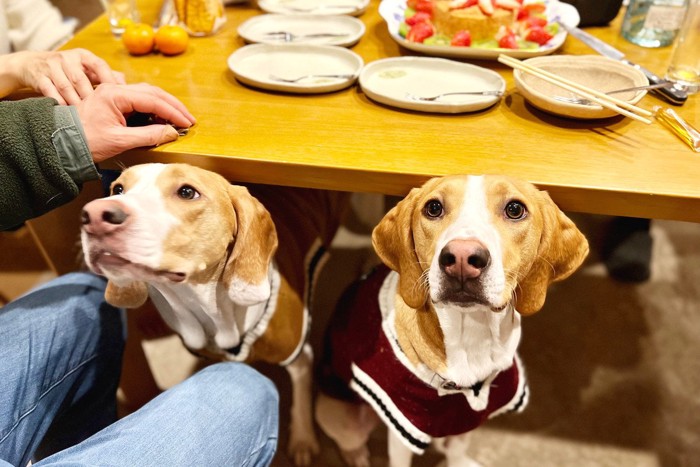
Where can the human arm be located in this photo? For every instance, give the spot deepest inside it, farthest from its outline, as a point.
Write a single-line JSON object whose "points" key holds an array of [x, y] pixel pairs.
{"points": [[47, 151], [103, 116], [68, 76]]}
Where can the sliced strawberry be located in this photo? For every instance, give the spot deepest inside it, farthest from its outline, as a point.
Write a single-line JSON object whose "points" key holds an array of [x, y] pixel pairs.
{"points": [[420, 17], [508, 42], [486, 7], [534, 8], [506, 38], [420, 32], [462, 39], [459, 4], [535, 21], [425, 6], [538, 34], [507, 4]]}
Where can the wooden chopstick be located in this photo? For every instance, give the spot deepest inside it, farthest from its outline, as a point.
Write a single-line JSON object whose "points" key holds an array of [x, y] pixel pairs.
{"points": [[605, 100]]}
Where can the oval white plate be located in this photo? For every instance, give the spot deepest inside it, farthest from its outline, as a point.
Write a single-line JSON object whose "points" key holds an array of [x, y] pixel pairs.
{"points": [[595, 71], [255, 64], [393, 13], [389, 80], [307, 29], [314, 7]]}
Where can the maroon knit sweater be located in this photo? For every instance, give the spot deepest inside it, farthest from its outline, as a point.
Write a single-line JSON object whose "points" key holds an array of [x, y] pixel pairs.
{"points": [[359, 363]]}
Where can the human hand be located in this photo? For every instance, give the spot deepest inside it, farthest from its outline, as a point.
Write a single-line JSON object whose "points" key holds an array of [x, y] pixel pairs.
{"points": [[103, 115], [68, 76]]}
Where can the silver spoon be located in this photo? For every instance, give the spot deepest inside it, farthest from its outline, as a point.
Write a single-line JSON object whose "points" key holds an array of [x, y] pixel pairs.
{"points": [[584, 101], [467, 93]]}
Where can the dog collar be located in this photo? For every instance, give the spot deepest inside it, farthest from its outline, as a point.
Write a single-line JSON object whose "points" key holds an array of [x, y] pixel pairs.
{"points": [[448, 385]]}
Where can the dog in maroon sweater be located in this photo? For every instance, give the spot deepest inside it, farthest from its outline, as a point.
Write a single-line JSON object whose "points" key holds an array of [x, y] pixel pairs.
{"points": [[428, 344]]}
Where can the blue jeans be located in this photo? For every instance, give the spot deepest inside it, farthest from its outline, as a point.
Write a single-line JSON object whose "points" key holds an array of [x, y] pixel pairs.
{"points": [[60, 357]]}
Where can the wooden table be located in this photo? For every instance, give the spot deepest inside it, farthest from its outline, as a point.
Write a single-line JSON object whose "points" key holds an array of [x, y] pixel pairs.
{"points": [[345, 141]]}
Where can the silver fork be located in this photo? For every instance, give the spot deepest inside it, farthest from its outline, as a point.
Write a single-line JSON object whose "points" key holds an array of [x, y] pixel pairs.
{"points": [[294, 80], [467, 93], [291, 37], [584, 101]]}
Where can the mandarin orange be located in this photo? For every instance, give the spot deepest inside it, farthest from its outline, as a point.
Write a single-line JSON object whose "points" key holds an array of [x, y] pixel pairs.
{"points": [[138, 38], [171, 39]]}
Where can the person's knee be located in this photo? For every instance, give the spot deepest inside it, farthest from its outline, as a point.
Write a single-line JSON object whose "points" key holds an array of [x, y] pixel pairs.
{"points": [[71, 307], [79, 283], [237, 382]]}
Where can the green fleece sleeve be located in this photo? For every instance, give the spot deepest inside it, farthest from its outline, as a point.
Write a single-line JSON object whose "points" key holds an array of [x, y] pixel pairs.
{"points": [[43, 159]]}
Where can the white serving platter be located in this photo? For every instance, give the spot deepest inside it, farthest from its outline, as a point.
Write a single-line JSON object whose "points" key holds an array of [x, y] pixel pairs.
{"points": [[257, 64], [391, 81], [392, 11], [340, 30]]}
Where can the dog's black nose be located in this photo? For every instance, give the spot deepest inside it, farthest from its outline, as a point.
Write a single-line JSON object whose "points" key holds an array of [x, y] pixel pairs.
{"points": [[464, 259], [114, 215], [104, 216]]}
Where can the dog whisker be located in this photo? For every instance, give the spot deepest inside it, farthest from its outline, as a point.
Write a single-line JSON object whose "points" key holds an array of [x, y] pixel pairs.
{"points": [[423, 282], [554, 271]]}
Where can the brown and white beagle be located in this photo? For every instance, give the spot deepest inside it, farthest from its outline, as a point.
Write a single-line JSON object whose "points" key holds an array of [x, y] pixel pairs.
{"points": [[428, 344], [230, 269]]}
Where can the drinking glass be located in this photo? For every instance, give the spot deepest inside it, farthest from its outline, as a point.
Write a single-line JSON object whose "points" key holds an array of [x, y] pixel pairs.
{"points": [[120, 13], [685, 58]]}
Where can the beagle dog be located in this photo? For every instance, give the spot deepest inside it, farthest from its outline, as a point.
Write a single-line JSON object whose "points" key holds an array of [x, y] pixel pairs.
{"points": [[206, 252], [427, 343]]}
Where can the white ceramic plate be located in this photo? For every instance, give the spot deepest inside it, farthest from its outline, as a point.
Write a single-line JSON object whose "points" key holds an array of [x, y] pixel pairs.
{"points": [[255, 65], [307, 29], [393, 13], [314, 7], [594, 71], [390, 80]]}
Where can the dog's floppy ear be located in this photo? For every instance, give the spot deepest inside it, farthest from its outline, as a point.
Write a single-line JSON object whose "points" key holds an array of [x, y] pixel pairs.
{"points": [[254, 243], [131, 295], [561, 251], [393, 241]]}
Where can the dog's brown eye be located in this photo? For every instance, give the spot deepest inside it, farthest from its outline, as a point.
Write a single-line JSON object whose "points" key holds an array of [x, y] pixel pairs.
{"points": [[433, 208], [187, 192], [118, 189], [515, 210]]}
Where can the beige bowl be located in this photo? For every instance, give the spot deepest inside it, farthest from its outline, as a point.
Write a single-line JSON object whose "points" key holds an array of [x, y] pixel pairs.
{"points": [[594, 71]]}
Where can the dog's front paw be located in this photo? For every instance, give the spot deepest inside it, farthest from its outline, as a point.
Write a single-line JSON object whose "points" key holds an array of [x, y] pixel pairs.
{"points": [[357, 457], [302, 450]]}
